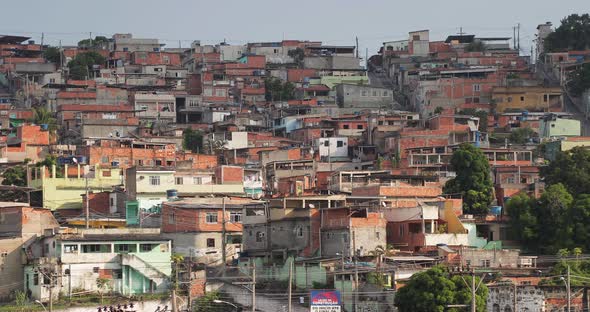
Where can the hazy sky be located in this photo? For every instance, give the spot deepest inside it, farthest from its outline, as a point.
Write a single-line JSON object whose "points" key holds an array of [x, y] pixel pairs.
{"points": [[330, 21]]}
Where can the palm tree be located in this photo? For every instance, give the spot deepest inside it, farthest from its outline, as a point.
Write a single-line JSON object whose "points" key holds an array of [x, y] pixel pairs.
{"points": [[381, 251], [43, 116]]}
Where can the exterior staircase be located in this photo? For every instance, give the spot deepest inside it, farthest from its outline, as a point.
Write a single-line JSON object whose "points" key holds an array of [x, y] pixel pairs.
{"points": [[154, 274]]}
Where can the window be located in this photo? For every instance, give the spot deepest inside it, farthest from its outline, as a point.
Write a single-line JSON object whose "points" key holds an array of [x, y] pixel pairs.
{"points": [[326, 143], [260, 237], [385, 94], [378, 235], [545, 97], [364, 93], [476, 88], [299, 231], [360, 127], [51, 80], [220, 92], [345, 126], [46, 280], [154, 180], [172, 218], [139, 162], [158, 162], [146, 247], [36, 279], [197, 180], [276, 51], [374, 93], [339, 143], [178, 180], [70, 248], [166, 59], [94, 248], [522, 98], [509, 99], [401, 230], [117, 274], [208, 92], [106, 173], [122, 248], [211, 217], [193, 103], [415, 37], [485, 263], [125, 49], [95, 269], [235, 217], [210, 242]]}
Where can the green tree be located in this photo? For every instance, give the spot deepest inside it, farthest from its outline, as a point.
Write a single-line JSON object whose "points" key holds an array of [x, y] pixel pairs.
{"points": [[276, 90], [16, 175], [476, 46], [192, 140], [99, 42], [553, 215], [481, 114], [579, 79], [523, 220], [521, 135], [52, 54], [580, 217], [103, 285], [82, 65], [298, 55], [572, 169], [473, 179], [572, 34], [438, 110], [433, 290], [42, 116], [207, 303]]}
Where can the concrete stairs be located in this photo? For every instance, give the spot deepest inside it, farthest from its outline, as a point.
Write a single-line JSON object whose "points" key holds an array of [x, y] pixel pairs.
{"points": [[158, 277]]}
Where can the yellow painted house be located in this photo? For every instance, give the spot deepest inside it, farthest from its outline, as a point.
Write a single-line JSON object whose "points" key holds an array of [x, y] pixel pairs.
{"points": [[65, 191]]}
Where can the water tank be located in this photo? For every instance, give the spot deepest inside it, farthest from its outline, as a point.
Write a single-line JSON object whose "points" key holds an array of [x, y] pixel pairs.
{"points": [[114, 164], [44, 127], [171, 194], [496, 210]]}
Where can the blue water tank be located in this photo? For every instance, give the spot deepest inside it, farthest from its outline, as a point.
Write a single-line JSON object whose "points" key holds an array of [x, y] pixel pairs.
{"points": [[44, 127], [171, 193], [114, 164], [496, 210]]}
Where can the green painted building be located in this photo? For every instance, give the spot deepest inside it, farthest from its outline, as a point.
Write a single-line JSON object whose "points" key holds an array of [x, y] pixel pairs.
{"points": [[132, 262]]}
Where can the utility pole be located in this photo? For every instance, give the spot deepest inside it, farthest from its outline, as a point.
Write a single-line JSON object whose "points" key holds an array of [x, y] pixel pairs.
{"points": [[190, 279], [357, 47], [290, 283], [514, 37], [356, 274], [473, 302], [42, 39], [51, 278], [569, 290], [87, 212], [515, 301], [70, 283], [174, 306], [253, 287], [223, 233], [518, 36]]}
